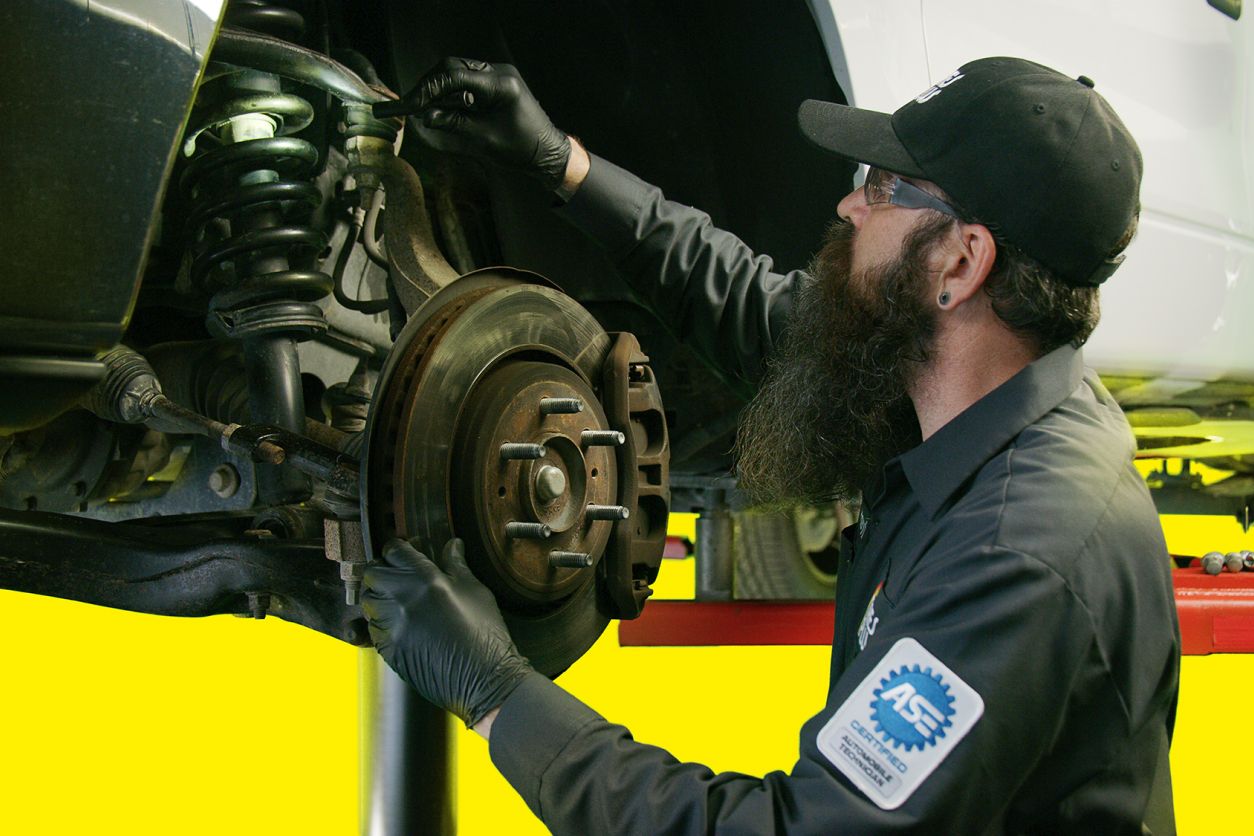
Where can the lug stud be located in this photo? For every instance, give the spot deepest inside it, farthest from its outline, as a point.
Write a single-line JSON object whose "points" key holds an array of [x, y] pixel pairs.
{"points": [[607, 512], [510, 451], [570, 560], [560, 406], [601, 438], [528, 530]]}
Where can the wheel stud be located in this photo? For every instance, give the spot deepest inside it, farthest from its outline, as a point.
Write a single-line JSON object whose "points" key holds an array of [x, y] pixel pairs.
{"points": [[560, 406], [510, 450], [601, 438], [570, 560], [607, 512], [528, 530]]}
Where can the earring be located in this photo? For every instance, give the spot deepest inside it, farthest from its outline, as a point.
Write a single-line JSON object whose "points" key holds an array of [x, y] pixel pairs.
{"points": [[943, 299]]}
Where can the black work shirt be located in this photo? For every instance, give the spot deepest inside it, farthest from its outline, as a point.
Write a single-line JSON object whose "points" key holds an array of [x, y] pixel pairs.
{"points": [[1006, 653]]}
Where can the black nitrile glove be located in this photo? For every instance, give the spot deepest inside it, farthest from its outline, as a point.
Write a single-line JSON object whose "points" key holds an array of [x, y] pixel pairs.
{"points": [[441, 631], [486, 111]]}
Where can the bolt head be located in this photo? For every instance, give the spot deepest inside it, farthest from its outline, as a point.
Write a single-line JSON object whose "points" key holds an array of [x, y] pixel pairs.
{"points": [[224, 481], [550, 483]]}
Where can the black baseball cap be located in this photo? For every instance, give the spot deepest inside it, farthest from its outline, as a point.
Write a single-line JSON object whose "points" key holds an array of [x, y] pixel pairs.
{"points": [[1040, 157]]}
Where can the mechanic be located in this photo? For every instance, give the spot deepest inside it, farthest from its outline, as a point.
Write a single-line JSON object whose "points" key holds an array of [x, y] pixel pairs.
{"points": [[1006, 652]]}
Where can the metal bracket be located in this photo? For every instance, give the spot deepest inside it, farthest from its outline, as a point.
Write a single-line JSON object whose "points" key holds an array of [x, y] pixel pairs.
{"points": [[184, 569]]}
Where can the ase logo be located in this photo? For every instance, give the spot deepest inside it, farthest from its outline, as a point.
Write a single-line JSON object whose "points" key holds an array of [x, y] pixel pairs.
{"points": [[912, 707], [899, 723]]}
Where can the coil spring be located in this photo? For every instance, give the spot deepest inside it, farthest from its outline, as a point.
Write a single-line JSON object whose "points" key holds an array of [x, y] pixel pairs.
{"points": [[268, 18], [249, 212]]}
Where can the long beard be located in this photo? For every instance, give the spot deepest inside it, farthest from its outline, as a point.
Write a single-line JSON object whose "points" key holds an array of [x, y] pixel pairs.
{"points": [[833, 407]]}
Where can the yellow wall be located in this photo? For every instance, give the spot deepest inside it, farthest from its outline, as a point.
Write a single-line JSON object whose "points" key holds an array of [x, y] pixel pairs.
{"points": [[130, 724]]}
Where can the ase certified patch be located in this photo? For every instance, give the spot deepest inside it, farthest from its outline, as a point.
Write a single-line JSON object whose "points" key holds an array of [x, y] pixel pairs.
{"points": [[899, 724]]}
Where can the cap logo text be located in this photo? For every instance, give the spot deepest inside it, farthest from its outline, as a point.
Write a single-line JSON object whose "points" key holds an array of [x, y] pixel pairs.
{"points": [[935, 90]]}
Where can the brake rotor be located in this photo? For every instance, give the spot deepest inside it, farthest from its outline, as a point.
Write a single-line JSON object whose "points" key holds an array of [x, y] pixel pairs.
{"points": [[467, 377]]}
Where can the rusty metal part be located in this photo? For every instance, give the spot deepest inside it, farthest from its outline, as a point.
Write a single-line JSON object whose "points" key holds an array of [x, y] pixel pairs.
{"points": [[527, 530], [559, 406], [570, 560], [418, 268], [550, 483], [345, 546], [608, 512], [601, 438], [504, 406], [633, 406], [511, 450], [414, 485], [338, 471]]}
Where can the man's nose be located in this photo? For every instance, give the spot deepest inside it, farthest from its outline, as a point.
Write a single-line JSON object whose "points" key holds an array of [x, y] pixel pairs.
{"points": [[853, 207]]}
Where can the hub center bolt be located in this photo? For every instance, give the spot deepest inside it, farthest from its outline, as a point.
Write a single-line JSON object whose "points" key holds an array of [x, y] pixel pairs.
{"points": [[601, 438], [570, 560], [510, 450], [528, 530], [550, 483], [560, 406]]}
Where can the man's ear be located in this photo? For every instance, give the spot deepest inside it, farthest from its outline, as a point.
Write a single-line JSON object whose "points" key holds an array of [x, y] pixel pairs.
{"points": [[965, 260]]}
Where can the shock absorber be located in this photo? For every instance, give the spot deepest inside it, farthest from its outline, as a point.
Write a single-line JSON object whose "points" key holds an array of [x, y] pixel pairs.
{"points": [[254, 247]]}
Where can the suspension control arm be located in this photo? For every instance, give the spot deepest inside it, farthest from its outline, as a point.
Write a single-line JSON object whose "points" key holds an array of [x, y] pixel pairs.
{"points": [[254, 50], [181, 571]]}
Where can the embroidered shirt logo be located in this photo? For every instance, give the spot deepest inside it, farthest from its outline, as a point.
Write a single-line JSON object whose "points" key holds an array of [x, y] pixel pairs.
{"points": [[869, 620], [912, 708], [935, 90]]}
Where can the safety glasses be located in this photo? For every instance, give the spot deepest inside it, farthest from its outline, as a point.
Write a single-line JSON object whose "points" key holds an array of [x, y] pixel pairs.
{"points": [[885, 187]]}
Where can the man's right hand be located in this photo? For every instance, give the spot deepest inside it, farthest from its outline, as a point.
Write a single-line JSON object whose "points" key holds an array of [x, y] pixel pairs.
{"points": [[486, 111]]}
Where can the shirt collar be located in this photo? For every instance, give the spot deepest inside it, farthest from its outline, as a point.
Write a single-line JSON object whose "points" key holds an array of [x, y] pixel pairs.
{"points": [[938, 466]]}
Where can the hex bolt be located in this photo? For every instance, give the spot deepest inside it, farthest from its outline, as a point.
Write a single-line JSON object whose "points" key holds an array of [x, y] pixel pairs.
{"points": [[528, 530], [1234, 561], [258, 604], [570, 560], [1213, 562], [607, 512], [510, 451], [351, 572], [550, 483], [560, 406], [601, 438], [224, 481]]}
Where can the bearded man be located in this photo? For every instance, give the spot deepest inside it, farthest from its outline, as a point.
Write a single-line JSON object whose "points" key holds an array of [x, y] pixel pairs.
{"points": [[1006, 654]]}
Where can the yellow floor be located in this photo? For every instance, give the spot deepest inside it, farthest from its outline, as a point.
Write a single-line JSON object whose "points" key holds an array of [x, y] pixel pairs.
{"points": [[131, 724]]}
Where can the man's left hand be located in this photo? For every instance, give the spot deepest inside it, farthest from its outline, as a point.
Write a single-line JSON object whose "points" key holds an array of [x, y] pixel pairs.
{"points": [[441, 630]]}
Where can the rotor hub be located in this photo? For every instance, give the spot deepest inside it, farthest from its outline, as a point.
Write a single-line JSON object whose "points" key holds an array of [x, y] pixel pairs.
{"points": [[490, 423], [502, 425]]}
